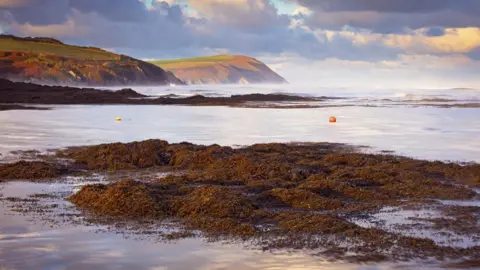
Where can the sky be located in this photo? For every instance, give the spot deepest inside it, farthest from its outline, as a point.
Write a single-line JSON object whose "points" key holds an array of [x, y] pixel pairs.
{"points": [[379, 43]]}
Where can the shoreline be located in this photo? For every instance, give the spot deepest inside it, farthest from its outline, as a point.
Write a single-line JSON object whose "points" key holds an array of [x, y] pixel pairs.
{"points": [[28, 93], [277, 196], [18, 95], [13, 107]]}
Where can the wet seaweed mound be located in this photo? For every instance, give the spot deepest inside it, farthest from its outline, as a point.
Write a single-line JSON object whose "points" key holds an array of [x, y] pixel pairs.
{"points": [[118, 156], [126, 198], [25, 170], [213, 201], [283, 195]]}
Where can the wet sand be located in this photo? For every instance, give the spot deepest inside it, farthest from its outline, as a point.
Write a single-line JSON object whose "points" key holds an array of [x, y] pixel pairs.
{"points": [[320, 197]]}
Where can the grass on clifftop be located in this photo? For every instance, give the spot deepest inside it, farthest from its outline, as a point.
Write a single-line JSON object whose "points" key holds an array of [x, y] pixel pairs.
{"points": [[62, 50], [193, 62]]}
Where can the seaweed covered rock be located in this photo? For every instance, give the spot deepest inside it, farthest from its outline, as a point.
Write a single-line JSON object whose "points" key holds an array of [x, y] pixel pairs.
{"points": [[215, 211], [219, 202], [221, 226], [123, 199], [117, 156], [25, 170], [305, 199], [314, 223], [190, 156], [283, 195]]}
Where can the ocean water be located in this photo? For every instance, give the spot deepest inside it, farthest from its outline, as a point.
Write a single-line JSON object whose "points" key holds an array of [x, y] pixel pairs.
{"points": [[403, 121]]}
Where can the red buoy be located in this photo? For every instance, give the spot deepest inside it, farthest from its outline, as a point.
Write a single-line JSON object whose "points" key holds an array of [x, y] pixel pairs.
{"points": [[333, 119]]}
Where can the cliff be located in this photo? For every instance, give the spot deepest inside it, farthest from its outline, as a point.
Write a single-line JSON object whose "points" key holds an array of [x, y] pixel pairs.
{"points": [[220, 69], [49, 61]]}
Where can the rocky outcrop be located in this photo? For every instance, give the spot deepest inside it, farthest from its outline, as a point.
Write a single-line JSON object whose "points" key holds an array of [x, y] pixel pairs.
{"points": [[221, 69], [48, 61], [16, 93]]}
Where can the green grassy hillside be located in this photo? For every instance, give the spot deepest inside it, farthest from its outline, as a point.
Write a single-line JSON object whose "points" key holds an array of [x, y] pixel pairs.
{"points": [[202, 59], [220, 69], [46, 60], [193, 62], [57, 49]]}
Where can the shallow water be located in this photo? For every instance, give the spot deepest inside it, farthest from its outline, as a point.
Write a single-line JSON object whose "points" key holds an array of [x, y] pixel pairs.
{"points": [[396, 125], [393, 219], [427, 133]]}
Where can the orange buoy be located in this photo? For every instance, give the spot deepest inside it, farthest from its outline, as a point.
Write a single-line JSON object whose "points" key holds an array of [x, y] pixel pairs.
{"points": [[333, 119]]}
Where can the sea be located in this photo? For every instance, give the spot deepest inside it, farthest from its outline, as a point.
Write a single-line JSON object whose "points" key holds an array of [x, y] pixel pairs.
{"points": [[431, 124], [413, 122]]}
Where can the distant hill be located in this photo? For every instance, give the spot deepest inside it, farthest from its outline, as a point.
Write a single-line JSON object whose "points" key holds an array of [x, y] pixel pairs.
{"points": [[220, 69], [46, 60]]}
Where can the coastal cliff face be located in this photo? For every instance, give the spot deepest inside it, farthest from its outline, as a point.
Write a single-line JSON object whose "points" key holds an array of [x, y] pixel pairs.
{"points": [[45, 60], [221, 69]]}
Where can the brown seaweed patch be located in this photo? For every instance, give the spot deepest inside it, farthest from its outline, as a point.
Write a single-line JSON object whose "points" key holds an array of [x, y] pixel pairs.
{"points": [[118, 156], [314, 223], [25, 170], [221, 226], [126, 198], [219, 202], [288, 195], [214, 210], [305, 199]]}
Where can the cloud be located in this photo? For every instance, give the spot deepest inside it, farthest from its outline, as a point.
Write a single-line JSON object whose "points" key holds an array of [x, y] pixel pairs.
{"points": [[251, 14], [13, 3], [434, 32], [242, 26], [392, 16], [394, 6], [38, 12], [453, 41], [128, 10], [321, 36], [68, 29], [46, 12]]}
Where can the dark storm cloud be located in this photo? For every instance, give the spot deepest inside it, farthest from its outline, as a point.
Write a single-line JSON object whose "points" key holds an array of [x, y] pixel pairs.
{"points": [[395, 6], [392, 16], [38, 12], [124, 10], [435, 32], [45, 12], [162, 28]]}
